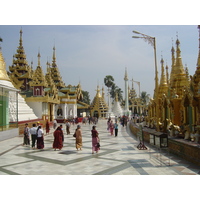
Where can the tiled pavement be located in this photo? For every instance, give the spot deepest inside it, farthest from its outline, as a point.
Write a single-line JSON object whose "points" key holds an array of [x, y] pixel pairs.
{"points": [[118, 156]]}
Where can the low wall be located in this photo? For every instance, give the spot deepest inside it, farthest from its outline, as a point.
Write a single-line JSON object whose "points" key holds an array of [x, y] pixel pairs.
{"points": [[185, 150], [189, 151], [4, 135]]}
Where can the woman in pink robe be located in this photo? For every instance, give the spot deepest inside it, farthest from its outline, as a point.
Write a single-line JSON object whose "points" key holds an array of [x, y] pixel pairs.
{"points": [[95, 140], [111, 127]]}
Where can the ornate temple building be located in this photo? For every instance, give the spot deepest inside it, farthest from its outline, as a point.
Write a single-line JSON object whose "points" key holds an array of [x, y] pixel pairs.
{"points": [[13, 108], [98, 107], [178, 98], [136, 105], [46, 94]]}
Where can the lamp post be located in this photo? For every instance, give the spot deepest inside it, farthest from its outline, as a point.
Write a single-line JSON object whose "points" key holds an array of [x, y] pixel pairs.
{"points": [[138, 86], [152, 42]]}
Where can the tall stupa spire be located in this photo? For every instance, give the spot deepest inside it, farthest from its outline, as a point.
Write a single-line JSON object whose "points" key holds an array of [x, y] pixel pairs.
{"points": [[126, 109], [178, 78], [54, 57], [198, 61], [39, 56], [20, 39], [179, 64], [3, 73], [163, 87]]}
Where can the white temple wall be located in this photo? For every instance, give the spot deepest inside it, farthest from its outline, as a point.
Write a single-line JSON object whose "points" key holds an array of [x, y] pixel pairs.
{"points": [[72, 110], [37, 108]]}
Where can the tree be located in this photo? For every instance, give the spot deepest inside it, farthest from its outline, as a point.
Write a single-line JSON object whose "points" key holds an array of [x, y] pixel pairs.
{"points": [[145, 97], [86, 97], [115, 89], [108, 81], [1, 40]]}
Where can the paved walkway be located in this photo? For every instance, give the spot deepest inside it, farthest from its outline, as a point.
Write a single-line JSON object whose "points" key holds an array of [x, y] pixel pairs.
{"points": [[118, 156]]}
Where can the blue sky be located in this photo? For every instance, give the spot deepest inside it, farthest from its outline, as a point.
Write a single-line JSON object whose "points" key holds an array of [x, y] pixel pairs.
{"points": [[94, 38], [87, 53]]}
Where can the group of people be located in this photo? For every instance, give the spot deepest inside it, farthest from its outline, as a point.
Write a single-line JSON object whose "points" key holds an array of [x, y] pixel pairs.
{"points": [[36, 133], [112, 126], [37, 137]]}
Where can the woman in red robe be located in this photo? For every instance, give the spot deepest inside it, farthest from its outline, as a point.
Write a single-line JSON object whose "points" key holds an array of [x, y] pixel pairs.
{"points": [[58, 139]]}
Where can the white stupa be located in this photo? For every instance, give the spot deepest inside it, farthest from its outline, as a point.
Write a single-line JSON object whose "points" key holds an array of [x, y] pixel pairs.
{"points": [[25, 113], [117, 110]]}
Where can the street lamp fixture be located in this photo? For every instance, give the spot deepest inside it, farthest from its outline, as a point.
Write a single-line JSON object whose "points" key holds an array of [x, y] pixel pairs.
{"points": [[152, 41]]}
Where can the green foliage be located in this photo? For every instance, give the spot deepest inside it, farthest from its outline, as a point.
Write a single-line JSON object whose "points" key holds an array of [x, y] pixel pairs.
{"points": [[144, 97], [86, 97], [116, 90], [108, 81]]}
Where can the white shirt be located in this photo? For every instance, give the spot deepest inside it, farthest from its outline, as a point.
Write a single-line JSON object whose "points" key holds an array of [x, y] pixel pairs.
{"points": [[40, 132], [33, 130]]}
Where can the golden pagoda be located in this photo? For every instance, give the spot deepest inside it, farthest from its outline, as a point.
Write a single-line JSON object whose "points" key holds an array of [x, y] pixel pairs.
{"points": [[163, 86], [176, 101], [3, 72], [55, 72], [42, 97], [98, 107], [178, 77], [20, 72]]}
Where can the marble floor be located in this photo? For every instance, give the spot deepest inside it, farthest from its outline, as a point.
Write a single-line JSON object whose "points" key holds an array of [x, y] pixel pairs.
{"points": [[117, 156]]}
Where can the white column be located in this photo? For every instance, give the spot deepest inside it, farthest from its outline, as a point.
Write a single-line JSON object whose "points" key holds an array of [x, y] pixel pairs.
{"points": [[126, 92]]}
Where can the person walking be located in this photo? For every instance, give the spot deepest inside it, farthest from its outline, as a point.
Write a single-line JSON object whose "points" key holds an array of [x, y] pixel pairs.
{"points": [[40, 138], [47, 127], [33, 132], [111, 126], [58, 139], [116, 128], [95, 140], [62, 134], [54, 124], [26, 135], [67, 127], [108, 124], [78, 138]]}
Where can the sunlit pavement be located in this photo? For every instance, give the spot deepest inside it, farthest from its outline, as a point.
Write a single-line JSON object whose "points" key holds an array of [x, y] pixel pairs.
{"points": [[117, 156]]}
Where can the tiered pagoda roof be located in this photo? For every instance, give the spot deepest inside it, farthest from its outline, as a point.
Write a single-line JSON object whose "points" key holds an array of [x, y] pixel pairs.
{"points": [[179, 77], [38, 76], [20, 72], [98, 103], [55, 72], [163, 87]]}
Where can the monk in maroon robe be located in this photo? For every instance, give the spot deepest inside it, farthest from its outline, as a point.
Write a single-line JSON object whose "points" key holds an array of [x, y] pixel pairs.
{"points": [[58, 139]]}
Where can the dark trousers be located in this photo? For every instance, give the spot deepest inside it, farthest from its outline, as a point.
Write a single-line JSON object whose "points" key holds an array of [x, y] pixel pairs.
{"points": [[116, 131], [33, 138], [26, 140]]}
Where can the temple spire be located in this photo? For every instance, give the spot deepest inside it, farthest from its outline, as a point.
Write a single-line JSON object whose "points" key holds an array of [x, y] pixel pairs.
{"points": [[54, 57], [163, 87], [167, 74], [39, 58], [3, 72], [126, 108], [179, 64], [126, 75], [198, 61], [20, 40], [163, 80]]}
